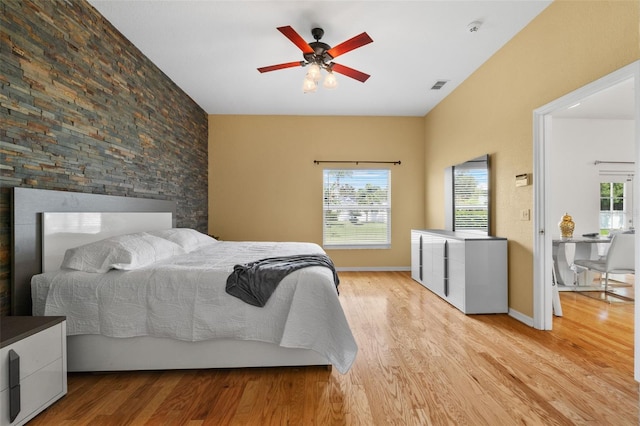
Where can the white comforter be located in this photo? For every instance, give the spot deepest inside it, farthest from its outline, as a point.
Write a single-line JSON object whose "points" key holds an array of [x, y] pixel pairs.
{"points": [[184, 298]]}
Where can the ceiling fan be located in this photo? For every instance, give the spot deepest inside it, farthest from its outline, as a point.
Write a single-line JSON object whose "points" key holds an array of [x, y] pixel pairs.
{"points": [[319, 55]]}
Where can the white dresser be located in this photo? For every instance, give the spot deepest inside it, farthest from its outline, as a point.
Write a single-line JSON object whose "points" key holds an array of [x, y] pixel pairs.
{"points": [[38, 374], [466, 269]]}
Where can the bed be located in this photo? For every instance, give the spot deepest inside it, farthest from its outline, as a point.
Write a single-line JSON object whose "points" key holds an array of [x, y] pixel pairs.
{"points": [[110, 329]]}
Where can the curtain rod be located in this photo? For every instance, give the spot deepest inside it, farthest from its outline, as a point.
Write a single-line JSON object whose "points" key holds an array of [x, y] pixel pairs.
{"points": [[613, 162], [356, 162]]}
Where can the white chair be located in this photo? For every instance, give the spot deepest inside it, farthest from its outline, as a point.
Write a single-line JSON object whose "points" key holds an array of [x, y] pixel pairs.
{"points": [[620, 258]]}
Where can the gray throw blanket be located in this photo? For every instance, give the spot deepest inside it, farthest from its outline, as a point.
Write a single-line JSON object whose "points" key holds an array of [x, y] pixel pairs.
{"points": [[254, 282]]}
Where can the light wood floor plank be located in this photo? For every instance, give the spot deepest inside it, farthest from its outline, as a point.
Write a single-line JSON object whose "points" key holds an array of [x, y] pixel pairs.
{"points": [[420, 362]]}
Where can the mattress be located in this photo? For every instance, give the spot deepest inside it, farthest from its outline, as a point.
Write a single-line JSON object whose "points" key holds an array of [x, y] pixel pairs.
{"points": [[183, 297]]}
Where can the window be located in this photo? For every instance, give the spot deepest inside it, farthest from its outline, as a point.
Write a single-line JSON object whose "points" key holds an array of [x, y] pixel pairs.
{"points": [[471, 196], [613, 206], [356, 208]]}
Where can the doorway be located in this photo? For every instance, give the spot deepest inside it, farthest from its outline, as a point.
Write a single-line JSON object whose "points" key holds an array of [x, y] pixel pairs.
{"points": [[545, 224]]}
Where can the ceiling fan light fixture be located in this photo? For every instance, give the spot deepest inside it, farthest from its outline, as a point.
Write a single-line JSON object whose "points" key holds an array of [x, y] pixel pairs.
{"points": [[330, 81], [314, 73], [309, 85], [318, 56]]}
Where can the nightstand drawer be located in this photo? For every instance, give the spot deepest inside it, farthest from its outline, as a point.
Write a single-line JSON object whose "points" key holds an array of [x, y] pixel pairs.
{"points": [[40, 344], [36, 352], [42, 387]]}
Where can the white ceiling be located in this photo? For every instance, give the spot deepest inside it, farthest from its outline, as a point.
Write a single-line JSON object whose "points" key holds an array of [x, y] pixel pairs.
{"points": [[616, 102], [211, 49]]}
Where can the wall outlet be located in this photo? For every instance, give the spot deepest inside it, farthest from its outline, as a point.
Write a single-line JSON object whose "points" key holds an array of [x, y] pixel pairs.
{"points": [[525, 214]]}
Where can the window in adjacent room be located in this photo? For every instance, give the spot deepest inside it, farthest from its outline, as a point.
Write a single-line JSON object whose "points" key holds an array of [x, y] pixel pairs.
{"points": [[615, 206], [356, 208]]}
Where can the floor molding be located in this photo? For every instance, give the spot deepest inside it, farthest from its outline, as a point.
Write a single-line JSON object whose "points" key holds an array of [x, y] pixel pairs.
{"points": [[373, 268], [521, 317]]}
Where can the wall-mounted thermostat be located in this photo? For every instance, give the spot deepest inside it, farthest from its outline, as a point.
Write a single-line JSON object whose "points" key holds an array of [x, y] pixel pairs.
{"points": [[522, 180]]}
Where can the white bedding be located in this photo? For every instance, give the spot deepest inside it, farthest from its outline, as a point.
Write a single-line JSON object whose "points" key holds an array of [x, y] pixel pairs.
{"points": [[184, 298]]}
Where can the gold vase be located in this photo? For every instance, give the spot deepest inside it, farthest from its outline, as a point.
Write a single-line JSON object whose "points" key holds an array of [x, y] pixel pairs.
{"points": [[566, 226]]}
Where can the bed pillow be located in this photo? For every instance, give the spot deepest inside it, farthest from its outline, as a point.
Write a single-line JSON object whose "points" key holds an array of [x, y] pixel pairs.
{"points": [[128, 252], [188, 239]]}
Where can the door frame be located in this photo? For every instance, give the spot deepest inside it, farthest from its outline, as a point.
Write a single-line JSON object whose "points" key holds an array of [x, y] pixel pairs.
{"points": [[542, 223]]}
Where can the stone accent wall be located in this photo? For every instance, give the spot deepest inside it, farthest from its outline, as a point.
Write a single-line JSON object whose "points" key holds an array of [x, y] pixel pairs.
{"points": [[82, 109]]}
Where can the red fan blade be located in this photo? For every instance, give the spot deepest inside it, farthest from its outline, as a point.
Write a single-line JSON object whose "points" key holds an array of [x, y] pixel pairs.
{"points": [[347, 46], [349, 72], [292, 35], [281, 66]]}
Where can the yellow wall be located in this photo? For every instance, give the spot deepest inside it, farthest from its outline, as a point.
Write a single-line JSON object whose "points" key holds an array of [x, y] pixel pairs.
{"points": [[264, 186], [570, 44]]}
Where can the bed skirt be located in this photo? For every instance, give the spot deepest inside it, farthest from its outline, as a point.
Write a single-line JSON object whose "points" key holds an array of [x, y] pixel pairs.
{"points": [[101, 353]]}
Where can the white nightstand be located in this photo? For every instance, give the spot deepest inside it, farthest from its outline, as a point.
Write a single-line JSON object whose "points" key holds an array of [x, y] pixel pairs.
{"points": [[40, 345]]}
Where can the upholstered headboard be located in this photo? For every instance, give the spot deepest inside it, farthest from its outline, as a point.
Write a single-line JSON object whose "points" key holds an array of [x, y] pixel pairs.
{"points": [[28, 205]]}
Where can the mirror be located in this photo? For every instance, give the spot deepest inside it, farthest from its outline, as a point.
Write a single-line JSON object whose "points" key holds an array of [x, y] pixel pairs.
{"points": [[467, 195]]}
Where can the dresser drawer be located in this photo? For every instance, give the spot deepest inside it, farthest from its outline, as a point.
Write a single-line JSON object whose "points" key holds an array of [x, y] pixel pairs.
{"points": [[36, 352]]}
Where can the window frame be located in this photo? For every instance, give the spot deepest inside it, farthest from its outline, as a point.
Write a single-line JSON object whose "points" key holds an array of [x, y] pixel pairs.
{"points": [[356, 207], [611, 211]]}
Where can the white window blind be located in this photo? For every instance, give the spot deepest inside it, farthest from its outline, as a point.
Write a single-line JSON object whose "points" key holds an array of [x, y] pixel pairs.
{"points": [[357, 208]]}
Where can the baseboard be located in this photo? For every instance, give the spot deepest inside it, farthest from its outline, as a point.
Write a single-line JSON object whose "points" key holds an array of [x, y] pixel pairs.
{"points": [[521, 317], [373, 268]]}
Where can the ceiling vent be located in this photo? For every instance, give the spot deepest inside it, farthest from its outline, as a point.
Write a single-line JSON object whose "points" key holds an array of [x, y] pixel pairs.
{"points": [[438, 85]]}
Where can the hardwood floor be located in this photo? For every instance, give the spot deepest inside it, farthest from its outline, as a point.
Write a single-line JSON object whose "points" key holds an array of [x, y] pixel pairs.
{"points": [[420, 362]]}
